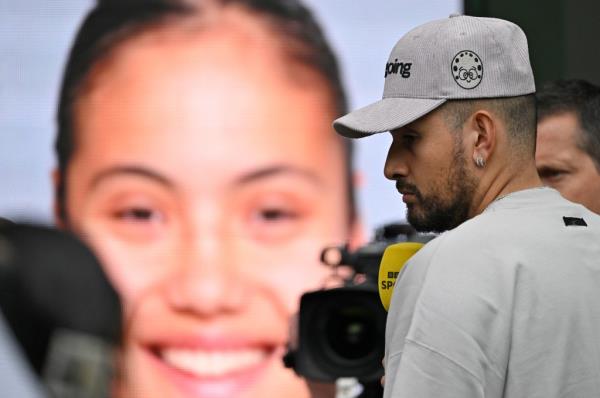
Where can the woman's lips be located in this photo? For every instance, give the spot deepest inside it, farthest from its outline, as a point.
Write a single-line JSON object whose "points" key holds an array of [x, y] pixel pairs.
{"points": [[221, 371], [213, 364]]}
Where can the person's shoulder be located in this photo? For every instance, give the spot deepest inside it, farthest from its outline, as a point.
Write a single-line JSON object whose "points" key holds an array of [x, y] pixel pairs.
{"points": [[429, 249], [458, 257], [530, 215], [451, 245], [477, 252], [472, 235], [580, 215], [571, 213], [523, 232], [419, 263]]}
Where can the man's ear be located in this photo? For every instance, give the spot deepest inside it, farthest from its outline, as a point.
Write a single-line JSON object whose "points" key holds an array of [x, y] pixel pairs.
{"points": [[58, 201], [482, 134]]}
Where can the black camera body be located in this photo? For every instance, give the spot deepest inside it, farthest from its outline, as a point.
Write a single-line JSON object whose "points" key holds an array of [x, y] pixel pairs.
{"points": [[340, 332], [59, 310]]}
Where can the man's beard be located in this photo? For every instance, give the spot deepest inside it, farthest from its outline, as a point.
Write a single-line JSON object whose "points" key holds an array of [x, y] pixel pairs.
{"points": [[445, 207]]}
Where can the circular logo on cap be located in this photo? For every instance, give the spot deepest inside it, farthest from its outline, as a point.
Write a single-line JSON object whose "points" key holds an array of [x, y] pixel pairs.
{"points": [[467, 69]]}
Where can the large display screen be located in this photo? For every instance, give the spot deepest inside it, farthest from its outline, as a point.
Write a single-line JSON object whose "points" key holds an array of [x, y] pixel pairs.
{"points": [[35, 36]]}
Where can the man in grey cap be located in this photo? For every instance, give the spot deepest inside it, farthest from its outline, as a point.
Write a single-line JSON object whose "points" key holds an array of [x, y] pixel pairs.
{"points": [[504, 304]]}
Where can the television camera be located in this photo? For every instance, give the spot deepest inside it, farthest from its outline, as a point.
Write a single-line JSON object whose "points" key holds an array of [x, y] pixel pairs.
{"points": [[340, 332]]}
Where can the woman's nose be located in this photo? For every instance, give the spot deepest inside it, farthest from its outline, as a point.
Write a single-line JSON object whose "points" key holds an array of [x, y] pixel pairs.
{"points": [[207, 280]]}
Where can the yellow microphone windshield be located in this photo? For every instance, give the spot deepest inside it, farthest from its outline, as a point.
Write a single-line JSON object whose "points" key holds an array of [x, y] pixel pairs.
{"points": [[394, 258]]}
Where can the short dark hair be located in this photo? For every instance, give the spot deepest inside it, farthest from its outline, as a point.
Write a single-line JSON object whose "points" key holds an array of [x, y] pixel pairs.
{"points": [[518, 114], [581, 98], [112, 22]]}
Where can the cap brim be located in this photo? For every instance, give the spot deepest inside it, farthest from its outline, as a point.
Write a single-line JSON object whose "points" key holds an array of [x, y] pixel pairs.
{"points": [[384, 115]]}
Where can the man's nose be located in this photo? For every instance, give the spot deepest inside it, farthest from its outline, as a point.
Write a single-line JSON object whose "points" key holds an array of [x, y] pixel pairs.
{"points": [[395, 163], [207, 281]]}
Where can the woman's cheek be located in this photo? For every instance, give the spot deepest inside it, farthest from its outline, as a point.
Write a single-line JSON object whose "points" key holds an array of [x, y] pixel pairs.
{"points": [[131, 270], [291, 270]]}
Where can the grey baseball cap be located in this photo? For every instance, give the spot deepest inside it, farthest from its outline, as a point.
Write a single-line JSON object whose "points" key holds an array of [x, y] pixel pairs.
{"points": [[459, 57]]}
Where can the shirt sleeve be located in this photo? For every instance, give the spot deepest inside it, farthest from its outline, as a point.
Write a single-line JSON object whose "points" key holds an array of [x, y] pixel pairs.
{"points": [[421, 371]]}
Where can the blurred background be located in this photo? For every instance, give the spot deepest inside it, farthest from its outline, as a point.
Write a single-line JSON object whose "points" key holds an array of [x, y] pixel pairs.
{"points": [[35, 36]]}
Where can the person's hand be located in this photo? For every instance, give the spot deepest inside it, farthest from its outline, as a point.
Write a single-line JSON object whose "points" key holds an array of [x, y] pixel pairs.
{"points": [[383, 377]]}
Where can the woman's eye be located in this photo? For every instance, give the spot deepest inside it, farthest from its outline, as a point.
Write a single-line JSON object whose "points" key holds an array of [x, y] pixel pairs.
{"points": [[276, 214], [138, 214], [276, 224]]}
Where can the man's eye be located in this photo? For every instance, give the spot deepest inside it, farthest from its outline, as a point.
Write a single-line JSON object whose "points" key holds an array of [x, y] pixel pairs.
{"points": [[409, 139], [551, 174]]}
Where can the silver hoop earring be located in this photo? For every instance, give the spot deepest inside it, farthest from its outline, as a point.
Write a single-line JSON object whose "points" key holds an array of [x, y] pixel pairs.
{"points": [[479, 162]]}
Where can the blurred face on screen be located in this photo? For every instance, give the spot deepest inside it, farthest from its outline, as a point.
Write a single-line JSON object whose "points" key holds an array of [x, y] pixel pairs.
{"points": [[208, 179]]}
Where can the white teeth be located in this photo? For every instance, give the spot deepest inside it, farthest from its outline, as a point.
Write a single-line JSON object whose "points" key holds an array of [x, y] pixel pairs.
{"points": [[213, 363]]}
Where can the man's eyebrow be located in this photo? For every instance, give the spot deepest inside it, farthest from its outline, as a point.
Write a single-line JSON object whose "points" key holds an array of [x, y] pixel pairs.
{"points": [[272, 171], [131, 170]]}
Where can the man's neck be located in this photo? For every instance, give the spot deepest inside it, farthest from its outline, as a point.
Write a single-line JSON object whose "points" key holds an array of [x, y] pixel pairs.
{"points": [[502, 182]]}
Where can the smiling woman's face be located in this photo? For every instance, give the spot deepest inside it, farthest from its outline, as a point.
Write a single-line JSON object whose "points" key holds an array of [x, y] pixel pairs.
{"points": [[207, 177]]}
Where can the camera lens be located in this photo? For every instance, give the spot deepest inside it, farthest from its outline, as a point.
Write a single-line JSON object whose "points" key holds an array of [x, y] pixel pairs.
{"points": [[341, 334], [351, 332]]}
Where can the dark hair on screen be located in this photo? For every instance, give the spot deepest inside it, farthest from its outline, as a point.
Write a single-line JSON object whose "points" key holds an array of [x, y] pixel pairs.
{"points": [[583, 99], [112, 22]]}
